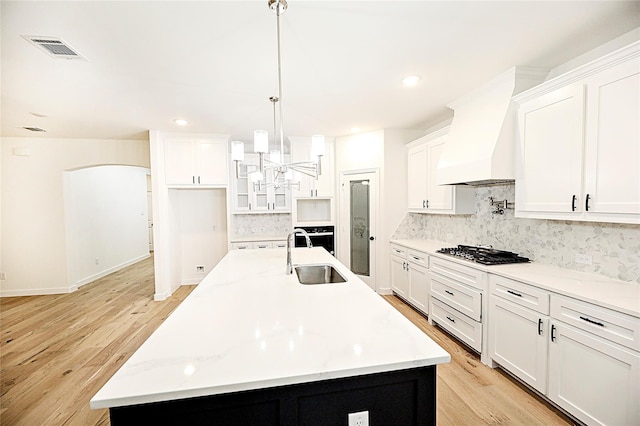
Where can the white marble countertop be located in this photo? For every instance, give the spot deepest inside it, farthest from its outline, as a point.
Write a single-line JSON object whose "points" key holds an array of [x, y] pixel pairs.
{"points": [[618, 295], [248, 325]]}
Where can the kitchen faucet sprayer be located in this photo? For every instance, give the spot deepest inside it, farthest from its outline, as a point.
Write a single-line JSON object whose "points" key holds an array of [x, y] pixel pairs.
{"points": [[306, 237]]}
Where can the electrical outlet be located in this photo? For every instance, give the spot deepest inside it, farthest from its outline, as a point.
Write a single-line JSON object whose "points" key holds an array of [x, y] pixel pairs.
{"points": [[200, 268], [361, 418], [97, 261], [585, 259]]}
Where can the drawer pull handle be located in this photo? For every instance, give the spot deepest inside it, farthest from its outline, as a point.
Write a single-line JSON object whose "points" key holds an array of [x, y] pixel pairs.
{"points": [[590, 321], [553, 333], [451, 319], [573, 203], [448, 292], [539, 326], [416, 258], [514, 293]]}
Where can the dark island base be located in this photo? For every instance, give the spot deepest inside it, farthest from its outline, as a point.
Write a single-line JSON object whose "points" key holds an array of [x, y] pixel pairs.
{"points": [[399, 398]]}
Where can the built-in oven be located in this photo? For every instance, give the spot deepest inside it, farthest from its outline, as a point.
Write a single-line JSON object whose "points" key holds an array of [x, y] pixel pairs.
{"points": [[320, 236]]}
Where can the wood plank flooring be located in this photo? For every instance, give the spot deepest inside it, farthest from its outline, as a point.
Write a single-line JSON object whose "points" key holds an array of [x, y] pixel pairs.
{"points": [[57, 351]]}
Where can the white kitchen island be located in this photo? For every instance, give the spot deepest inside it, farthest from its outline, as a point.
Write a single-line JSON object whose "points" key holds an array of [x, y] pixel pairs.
{"points": [[251, 345]]}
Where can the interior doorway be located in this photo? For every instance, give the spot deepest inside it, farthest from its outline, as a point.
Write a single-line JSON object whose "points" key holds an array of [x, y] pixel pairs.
{"points": [[358, 223]]}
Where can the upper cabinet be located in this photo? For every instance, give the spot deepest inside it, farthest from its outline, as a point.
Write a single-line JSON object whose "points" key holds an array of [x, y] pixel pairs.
{"points": [[194, 161], [424, 194], [250, 198], [324, 186], [579, 143]]}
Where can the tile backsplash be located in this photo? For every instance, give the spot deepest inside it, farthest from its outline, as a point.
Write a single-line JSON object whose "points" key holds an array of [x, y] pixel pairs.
{"points": [[260, 225], [614, 248]]}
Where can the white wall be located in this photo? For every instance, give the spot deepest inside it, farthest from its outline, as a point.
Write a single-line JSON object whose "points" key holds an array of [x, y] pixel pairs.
{"points": [[33, 224], [106, 220], [203, 231]]}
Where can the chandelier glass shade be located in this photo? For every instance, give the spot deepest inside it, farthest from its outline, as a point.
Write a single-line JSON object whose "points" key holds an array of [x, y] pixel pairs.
{"points": [[275, 162]]}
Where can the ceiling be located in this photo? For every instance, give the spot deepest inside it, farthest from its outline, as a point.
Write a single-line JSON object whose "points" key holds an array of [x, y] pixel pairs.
{"points": [[213, 63]]}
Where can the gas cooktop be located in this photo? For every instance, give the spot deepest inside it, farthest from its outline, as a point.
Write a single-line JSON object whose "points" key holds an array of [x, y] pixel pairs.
{"points": [[483, 255]]}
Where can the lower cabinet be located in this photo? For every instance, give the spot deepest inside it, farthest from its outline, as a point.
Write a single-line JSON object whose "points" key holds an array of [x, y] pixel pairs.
{"points": [[410, 277], [245, 245], [582, 357]]}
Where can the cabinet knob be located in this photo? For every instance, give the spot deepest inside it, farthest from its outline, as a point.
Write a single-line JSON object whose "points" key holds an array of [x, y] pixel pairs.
{"points": [[371, 238]]}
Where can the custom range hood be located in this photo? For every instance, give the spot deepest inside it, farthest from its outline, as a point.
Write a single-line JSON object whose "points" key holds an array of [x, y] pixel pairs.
{"points": [[480, 146]]}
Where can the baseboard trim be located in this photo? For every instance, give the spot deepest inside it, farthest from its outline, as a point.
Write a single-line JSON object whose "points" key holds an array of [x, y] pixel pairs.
{"points": [[111, 270]]}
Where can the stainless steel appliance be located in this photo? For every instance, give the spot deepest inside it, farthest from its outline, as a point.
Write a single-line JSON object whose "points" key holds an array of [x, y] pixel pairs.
{"points": [[321, 236], [483, 255]]}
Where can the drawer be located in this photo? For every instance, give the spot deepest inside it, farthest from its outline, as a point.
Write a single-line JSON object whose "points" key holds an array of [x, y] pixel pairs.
{"points": [[611, 325], [462, 273], [461, 326], [280, 244], [520, 293], [465, 299], [241, 246], [418, 257], [399, 251], [262, 244]]}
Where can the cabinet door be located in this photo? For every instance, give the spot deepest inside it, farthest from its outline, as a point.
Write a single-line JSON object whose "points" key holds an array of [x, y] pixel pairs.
{"points": [[399, 278], [612, 148], [211, 159], [419, 287], [518, 341], [241, 190], [439, 197], [551, 142], [417, 177], [180, 164], [595, 380]]}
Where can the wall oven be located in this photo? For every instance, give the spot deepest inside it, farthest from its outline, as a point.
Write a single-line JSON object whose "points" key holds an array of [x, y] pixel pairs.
{"points": [[320, 236]]}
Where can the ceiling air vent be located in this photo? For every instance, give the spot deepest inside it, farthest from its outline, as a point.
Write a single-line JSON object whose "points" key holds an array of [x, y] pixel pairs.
{"points": [[34, 129], [54, 46]]}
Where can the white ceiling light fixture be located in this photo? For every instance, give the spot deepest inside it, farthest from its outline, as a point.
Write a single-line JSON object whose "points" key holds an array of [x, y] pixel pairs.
{"points": [[180, 122], [275, 163], [411, 80]]}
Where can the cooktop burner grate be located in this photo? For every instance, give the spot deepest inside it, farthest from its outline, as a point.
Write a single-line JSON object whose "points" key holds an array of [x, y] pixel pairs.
{"points": [[483, 255]]}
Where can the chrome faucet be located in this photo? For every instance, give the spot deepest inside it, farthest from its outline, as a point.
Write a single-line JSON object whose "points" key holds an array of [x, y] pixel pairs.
{"points": [[306, 237]]}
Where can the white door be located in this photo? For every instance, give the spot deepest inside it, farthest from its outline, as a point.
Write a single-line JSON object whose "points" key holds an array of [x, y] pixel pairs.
{"points": [[358, 223]]}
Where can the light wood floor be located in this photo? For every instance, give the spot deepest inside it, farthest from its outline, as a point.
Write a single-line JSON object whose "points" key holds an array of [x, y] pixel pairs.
{"points": [[57, 351]]}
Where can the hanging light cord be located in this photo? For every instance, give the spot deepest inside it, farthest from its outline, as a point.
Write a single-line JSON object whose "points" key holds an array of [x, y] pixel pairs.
{"points": [[277, 11]]}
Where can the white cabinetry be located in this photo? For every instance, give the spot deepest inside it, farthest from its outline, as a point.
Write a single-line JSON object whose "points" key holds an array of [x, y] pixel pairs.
{"points": [[456, 302], [579, 149], [424, 194], [246, 245], [250, 198], [324, 186], [591, 376], [195, 161], [409, 276], [583, 357], [518, 330]]}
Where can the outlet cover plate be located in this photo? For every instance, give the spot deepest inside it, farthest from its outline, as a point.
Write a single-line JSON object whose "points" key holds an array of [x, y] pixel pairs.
{"points": [[361, 418]]}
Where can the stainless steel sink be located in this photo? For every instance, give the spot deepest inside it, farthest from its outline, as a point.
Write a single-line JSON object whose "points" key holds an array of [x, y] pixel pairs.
{"points": [[318, 274]]}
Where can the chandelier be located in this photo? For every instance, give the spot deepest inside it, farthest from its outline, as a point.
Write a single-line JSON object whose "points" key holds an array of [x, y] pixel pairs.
{"points": [[275, 162]]}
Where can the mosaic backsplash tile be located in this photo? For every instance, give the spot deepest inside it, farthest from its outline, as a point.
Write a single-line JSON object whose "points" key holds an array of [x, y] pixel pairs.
{"points": [[615, 248], [260, 225]]}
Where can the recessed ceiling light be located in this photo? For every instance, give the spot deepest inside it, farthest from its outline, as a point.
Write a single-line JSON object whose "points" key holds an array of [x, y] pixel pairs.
{"points": [[181, 121], [410, 80]]}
